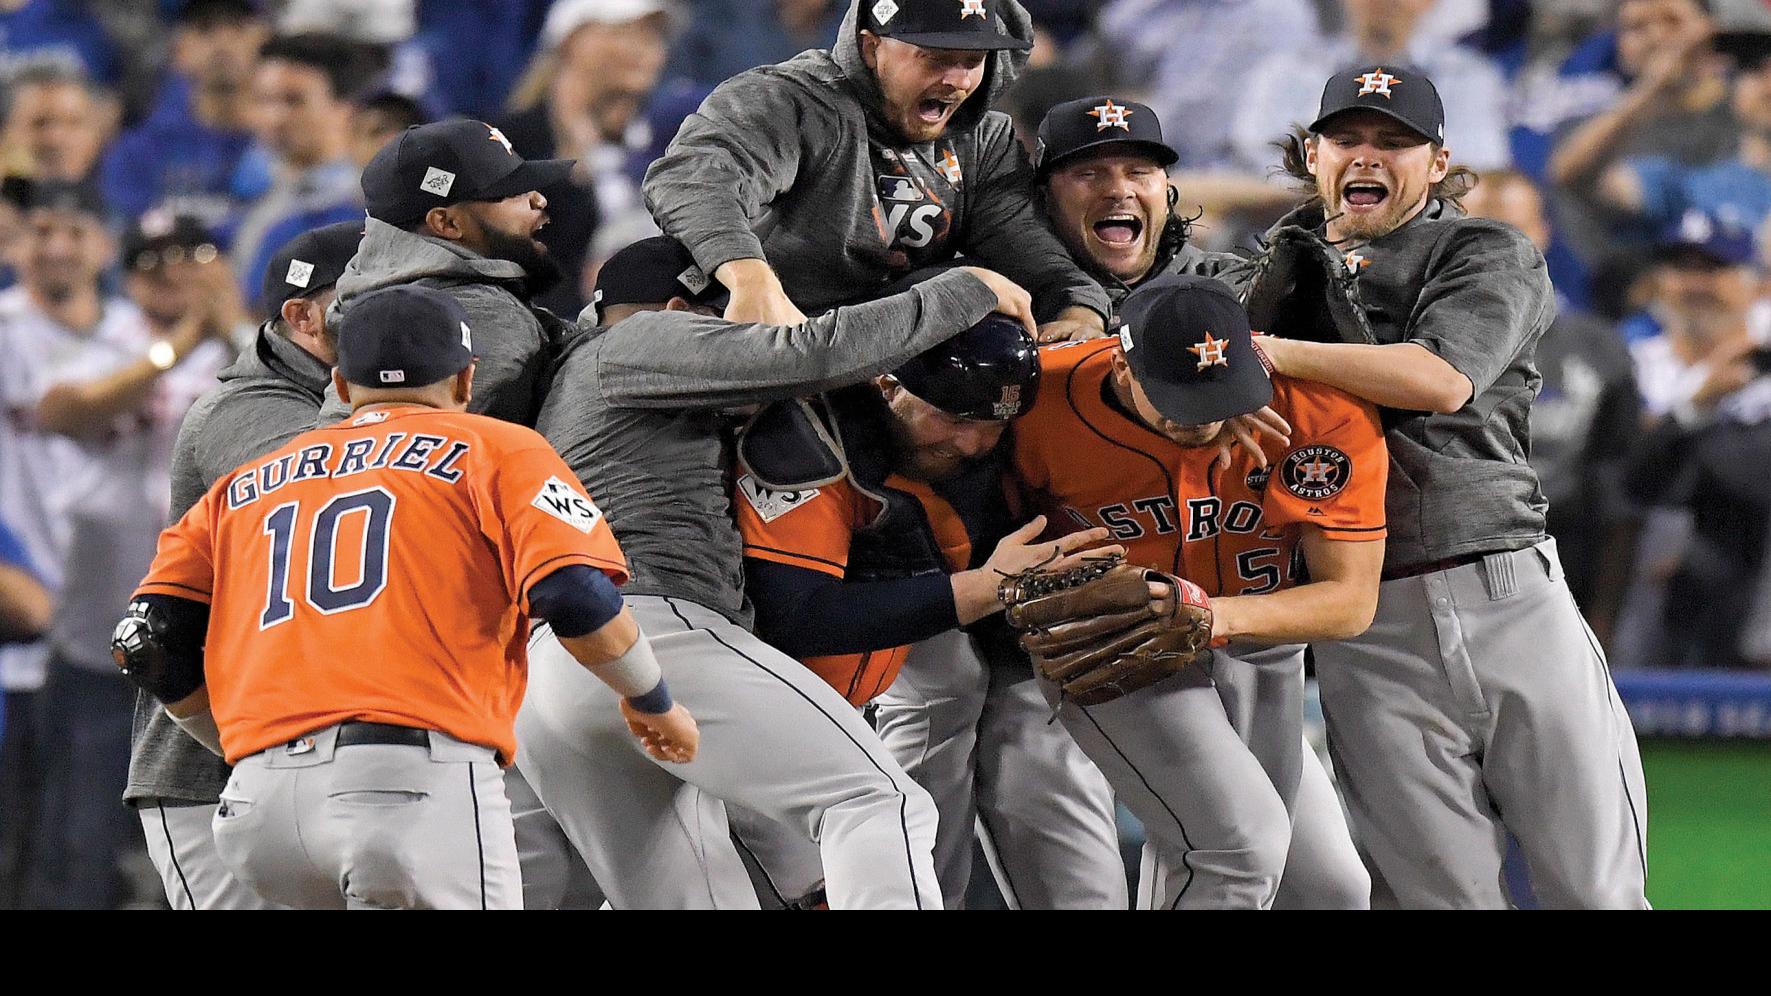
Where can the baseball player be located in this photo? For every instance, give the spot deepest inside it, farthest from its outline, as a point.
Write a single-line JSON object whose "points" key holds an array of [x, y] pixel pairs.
{"points": [[819, 180], [1123, 436], [452, 206], [1101, 163], [271, 393], [1477, 703], [353, 606], [641, 410], [901, 549]]}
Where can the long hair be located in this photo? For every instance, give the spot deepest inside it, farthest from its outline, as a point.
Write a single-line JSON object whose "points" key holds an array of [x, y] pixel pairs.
{"points": [[1294, 157]]}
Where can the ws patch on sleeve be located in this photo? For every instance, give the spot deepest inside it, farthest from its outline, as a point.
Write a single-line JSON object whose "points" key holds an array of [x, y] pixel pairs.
{"points": [[1316, 471], [565, 503], [771, 505]]}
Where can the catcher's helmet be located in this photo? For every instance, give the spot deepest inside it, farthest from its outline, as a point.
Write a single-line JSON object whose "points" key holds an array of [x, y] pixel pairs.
{"points": [[989, 372]]}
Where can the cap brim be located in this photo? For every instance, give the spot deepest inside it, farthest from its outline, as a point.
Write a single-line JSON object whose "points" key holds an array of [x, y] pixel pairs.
{"points": [[1317, 125], [535, 174], [1164, 155], [971, 41], [1677, 252]]}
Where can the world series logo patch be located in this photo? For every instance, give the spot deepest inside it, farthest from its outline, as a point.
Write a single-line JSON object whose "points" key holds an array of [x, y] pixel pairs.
{"points": [[1316, 472]]}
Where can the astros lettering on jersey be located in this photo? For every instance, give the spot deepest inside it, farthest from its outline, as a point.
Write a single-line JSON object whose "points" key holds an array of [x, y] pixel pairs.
{"points": [[379, 570], [1085, 462]]}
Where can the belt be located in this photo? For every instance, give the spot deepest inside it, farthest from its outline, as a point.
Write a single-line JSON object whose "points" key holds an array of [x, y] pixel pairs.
{"points": [[1435, 566], [354, 733]]}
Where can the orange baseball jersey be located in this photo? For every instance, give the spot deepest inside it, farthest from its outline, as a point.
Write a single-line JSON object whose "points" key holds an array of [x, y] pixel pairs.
{"points": [[379, 570], [813, 529], [1085, 461]]}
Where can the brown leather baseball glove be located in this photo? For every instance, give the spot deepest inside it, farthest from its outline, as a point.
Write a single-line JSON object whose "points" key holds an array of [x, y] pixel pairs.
{"points": [[1095, 632]]}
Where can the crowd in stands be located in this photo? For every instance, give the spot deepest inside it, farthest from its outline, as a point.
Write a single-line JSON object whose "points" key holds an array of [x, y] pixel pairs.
{"points": [[156, 153]]}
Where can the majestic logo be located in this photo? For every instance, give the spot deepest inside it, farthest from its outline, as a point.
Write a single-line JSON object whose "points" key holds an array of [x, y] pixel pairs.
{"points": [[300, 272], [1110, 115], [567, 504], [498, 136], [1376, 82], [370, 418], [1316, 472], [437, 181], [1009, 405], [969, 7], [949, 167], [1211, 352], [771, 505]]}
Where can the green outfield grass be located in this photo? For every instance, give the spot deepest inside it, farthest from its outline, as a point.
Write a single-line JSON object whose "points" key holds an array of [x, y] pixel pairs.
{"points": [[1709, 824]]}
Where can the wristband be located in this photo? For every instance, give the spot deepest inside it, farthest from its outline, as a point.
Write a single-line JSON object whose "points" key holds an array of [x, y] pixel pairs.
{"points": [[656, 701]]}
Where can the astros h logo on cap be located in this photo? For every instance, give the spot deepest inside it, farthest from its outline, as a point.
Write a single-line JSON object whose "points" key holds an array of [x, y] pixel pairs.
{"points": [[1111, 115]]}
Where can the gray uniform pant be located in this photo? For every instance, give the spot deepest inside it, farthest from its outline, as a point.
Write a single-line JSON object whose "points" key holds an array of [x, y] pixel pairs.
{"points": [[1263, 692], [181, 843], [1478, 702], [981, 741], [554, 876], [371, 826], [775, 739]]}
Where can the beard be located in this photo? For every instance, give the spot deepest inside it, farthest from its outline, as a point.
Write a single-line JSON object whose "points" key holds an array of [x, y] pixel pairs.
{"points": [[540, 271]]}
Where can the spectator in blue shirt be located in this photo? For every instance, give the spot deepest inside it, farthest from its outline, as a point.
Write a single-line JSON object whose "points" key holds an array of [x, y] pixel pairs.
{"points": [[1657, 191], [24, 602], [302, 92], [185, 155]]}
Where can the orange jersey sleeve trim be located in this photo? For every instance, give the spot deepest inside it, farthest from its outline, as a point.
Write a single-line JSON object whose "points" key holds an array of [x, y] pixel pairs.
{"points": [[792, 559]]}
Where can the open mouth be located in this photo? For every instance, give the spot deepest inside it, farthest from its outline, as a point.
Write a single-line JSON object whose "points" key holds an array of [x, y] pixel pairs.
{"points": [[1364, 193], [934, 110], [1119, 229]]}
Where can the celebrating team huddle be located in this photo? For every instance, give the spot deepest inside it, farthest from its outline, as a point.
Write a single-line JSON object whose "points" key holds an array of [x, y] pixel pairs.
{"points": [[908, 491]]}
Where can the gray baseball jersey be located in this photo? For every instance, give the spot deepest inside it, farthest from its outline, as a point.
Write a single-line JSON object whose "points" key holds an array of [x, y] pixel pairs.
{"points": [[1477, 639]]}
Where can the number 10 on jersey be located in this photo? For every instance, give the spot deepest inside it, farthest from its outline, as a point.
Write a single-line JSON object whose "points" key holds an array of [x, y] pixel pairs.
{"points": [[285, 523]]}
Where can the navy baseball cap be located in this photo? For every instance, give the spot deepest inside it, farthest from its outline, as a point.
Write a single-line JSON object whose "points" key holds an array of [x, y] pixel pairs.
{"points": [[309, 263], [652, 271], [1706, 238], [403, 336], [975, 25], [1080, 126], [446, 162], [1396, 90], [1189, 347]]}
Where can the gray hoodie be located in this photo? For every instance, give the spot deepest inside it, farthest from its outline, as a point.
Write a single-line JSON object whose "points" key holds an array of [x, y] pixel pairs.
{"points": [[639, 412], [266, 398], [795, 163], [514, 342]]}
